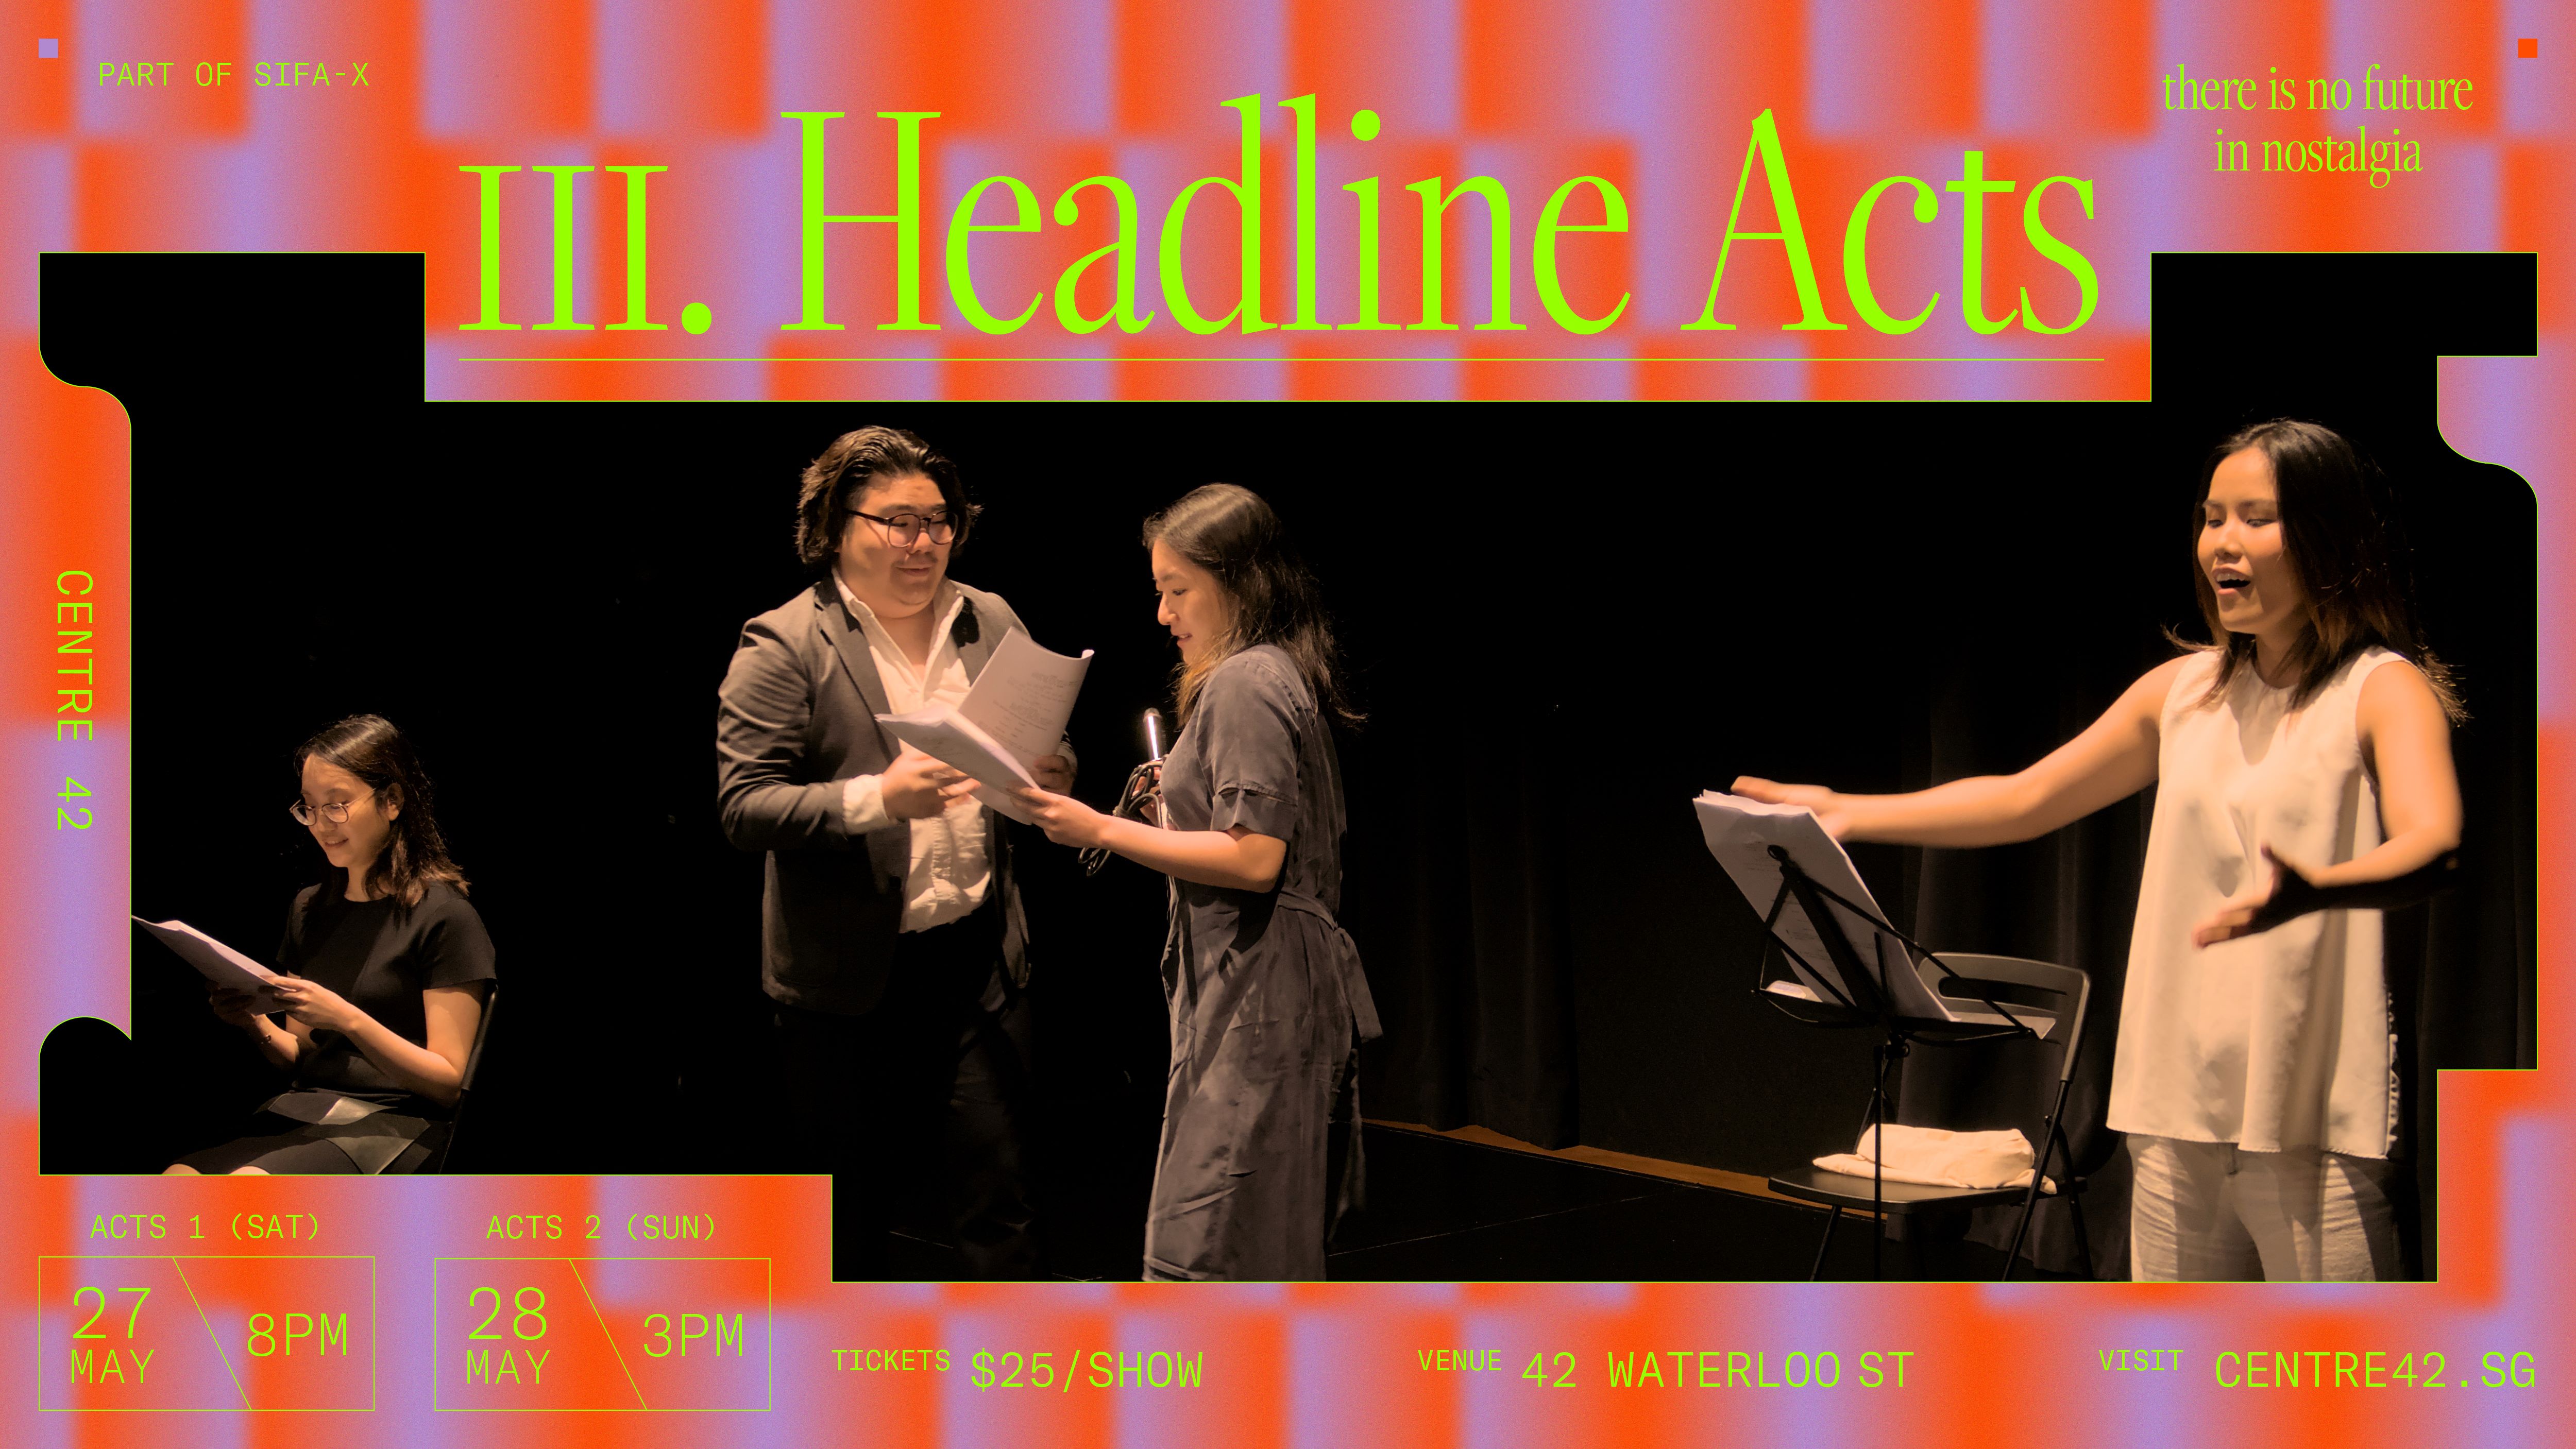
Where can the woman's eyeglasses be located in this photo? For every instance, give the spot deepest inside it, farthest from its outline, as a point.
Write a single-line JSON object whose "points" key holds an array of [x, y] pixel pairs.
{"points": [[905, 529], [337, 812]]}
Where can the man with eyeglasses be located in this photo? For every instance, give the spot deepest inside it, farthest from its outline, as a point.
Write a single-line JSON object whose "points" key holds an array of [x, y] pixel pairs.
{"points": [[893, 946]]}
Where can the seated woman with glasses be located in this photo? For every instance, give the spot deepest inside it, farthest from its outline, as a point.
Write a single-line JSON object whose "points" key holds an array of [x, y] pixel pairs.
{"points": [[385, 969], [1268, 1002]]}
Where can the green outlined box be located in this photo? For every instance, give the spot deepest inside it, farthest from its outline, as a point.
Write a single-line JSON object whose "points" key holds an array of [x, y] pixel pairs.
{"points": [[205, 1333], [601, 1335]]}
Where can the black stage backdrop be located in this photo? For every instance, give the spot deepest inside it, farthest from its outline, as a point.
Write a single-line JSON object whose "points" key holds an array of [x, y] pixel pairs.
{"points": [[1565, 620]]}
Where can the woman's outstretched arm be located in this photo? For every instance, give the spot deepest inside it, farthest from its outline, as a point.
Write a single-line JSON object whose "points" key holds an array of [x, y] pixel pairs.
{"points": [[2114, 758]]}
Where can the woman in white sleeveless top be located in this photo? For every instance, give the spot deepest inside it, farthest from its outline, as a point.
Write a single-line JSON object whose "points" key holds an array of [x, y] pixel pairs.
{"points": [[2303, 766]]}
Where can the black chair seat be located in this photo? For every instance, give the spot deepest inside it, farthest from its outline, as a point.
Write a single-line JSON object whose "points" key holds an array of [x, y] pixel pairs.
{"points": [[1853, 1194]]}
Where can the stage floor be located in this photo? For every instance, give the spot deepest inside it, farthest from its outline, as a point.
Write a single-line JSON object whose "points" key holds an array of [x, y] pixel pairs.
{"points": [[1443, 1210]]}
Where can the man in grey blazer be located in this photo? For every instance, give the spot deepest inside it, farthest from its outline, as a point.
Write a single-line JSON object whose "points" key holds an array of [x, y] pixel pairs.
{"points": [[893, 945]]}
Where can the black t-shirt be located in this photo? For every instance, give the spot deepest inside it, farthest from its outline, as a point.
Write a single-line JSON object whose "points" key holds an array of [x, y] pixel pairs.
{"points": [[381, 957]]}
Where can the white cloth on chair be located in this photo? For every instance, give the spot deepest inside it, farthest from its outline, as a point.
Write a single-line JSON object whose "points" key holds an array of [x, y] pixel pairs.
{"points": [[1935, 1157]]}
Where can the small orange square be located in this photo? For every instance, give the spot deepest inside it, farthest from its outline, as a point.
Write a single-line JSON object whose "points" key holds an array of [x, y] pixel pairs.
{"points": [[2527, 48]]}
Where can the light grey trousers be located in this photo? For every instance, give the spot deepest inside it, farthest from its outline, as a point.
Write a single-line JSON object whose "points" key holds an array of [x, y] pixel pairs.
{"points": [[2204, 1212]]}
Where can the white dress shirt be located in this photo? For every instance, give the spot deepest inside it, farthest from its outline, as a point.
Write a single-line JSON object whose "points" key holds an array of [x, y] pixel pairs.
{"points": [[952, 866]]}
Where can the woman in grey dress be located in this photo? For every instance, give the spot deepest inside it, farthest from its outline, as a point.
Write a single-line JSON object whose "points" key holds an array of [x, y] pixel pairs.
{"points": [[1267, 998]]}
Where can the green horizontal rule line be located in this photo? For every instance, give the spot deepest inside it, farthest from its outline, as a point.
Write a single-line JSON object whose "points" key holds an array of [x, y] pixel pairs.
{"points": [[1283, 359]]}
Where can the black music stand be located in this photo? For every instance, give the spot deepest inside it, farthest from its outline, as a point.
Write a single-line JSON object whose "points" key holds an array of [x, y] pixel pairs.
{"points": [[1864, 1000]]}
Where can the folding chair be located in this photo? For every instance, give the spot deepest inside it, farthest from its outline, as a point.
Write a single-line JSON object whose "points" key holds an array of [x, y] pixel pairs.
{"points": [[2050, 1001]]}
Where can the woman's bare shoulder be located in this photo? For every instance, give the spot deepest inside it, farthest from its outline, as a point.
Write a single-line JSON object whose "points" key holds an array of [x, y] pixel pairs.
{"points": [[2157, 684]]}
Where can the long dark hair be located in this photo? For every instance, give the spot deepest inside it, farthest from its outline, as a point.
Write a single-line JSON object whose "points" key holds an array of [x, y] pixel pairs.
{"points": [[1236, 537], [833, 482], [2340, 537], [369, 747]]}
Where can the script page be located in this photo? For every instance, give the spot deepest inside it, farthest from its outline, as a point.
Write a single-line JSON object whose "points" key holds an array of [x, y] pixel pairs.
{"points": [[1740, 833], [944, 735], [1024, 696], [214, 960]]}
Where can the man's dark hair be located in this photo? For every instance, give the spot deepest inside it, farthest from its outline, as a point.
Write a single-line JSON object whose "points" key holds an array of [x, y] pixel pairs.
{"points": [[834, 481]]}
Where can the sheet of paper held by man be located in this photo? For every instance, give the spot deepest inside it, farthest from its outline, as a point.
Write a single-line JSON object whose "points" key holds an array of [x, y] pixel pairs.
{"points": [[1740, 833], [1014, 714], [217, 962]]}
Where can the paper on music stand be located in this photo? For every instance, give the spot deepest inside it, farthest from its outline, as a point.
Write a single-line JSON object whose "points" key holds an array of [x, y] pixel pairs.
{"points": [[1015, 713], [1740, 832], [217, 962]]}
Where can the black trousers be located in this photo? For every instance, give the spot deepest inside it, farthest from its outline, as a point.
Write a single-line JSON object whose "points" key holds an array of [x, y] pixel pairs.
{"points": [[922, 1101]]}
